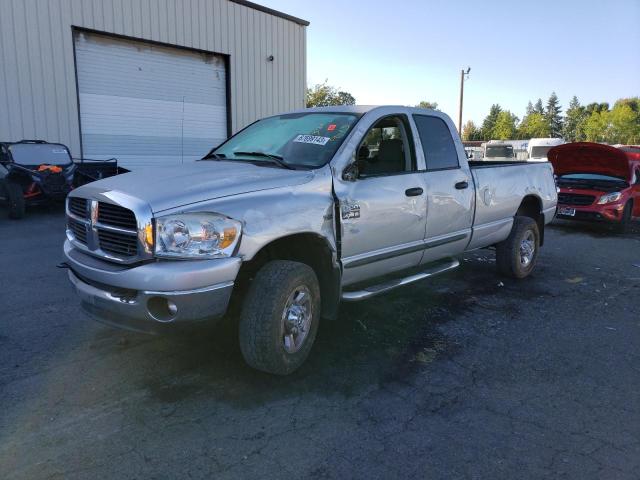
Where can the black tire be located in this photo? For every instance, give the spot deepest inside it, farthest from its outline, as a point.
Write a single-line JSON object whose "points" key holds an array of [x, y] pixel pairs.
{"points": [[510, 259], [262, 328], [15, 199], [625, 221]]}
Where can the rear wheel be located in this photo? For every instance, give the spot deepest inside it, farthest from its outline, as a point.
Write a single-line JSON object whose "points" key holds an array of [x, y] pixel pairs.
{"points": [[280, 317], [15, 198], [625, 221], [516, 257]]}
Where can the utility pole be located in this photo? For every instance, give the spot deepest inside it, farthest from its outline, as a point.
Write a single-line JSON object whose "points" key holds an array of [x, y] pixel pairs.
{"points": [[463, 74]]}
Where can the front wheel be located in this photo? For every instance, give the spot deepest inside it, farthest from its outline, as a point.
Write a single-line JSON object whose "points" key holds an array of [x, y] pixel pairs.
{"points": [[627, 216], [280, 317], [516, 256], [14, 197]]}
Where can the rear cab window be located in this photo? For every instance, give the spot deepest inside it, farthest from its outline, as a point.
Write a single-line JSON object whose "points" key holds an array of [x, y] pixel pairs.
{"points": [[437, 143]]}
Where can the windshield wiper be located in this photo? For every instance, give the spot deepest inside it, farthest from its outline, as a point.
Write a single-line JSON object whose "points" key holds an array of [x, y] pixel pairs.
{"points": [[277, 159], [213, 156]]}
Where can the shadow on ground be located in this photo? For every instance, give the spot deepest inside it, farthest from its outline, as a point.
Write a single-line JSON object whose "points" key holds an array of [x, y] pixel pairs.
{"points": [[383, 340]]}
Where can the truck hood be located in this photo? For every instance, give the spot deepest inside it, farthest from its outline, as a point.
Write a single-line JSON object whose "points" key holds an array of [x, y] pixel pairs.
{"points": [[586, 157], [170, 187]]}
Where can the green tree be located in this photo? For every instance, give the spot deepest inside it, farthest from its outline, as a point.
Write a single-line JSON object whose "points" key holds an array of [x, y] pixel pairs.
{"points": [[490, 121], [552, 115], [471, 132], [505, 126], [345, 98], [596, 126], [624, 123], [324, 95], [573, 128], [533, 126], [633, 102], [529, 109], [596, 107], [538, 108]]}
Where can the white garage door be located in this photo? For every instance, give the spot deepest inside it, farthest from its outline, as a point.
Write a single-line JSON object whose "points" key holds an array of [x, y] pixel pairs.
{"points": [[148, 105]]}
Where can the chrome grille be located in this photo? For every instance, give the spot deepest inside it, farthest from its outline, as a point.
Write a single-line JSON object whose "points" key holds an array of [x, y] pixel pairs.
{"points": [[78, 206], [109, 230], [109, 214], [125, 245], [575, 199], [78, 229]]}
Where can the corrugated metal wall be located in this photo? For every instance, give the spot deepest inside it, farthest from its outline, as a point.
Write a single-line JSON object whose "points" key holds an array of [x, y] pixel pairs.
{"points": [[38, 96]]}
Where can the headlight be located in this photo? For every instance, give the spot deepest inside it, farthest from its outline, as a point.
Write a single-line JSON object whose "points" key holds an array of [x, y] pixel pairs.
{"points": [[609, 198], [196, 235]]}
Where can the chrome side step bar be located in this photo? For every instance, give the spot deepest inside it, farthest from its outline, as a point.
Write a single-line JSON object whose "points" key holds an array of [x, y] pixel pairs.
{"points": [[374, 290]]}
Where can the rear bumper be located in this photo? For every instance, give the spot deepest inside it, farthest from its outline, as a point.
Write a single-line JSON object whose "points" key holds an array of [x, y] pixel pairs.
{"points": [[155, 296]]}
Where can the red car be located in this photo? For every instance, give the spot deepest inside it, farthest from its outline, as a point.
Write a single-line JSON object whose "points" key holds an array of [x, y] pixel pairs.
{"points": [[597, 182]]}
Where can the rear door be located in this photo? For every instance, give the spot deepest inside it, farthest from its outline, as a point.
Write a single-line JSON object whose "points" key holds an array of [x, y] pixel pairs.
{"points": [[382, 204], [449, 189]]}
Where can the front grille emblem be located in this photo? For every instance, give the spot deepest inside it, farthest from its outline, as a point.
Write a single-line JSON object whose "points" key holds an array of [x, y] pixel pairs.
{"points": [[94, 213], [92, 231]]}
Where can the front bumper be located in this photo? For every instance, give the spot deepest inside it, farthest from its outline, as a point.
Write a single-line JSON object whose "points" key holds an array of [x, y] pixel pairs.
{"points": [[611, 213], [152, 296]]}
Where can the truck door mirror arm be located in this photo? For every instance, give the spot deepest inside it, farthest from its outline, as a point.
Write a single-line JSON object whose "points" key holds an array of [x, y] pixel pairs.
{"points": [[351, 173]]}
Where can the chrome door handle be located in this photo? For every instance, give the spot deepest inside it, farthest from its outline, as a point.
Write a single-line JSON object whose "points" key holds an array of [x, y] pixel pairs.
{"points": [[462, 185], [413, 192]]}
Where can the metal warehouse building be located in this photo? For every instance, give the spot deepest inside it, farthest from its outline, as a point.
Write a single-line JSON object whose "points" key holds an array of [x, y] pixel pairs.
{"points": [[145, 81]]}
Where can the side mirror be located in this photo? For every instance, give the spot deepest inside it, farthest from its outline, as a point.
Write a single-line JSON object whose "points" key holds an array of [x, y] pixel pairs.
{"points": [[351, 173]]}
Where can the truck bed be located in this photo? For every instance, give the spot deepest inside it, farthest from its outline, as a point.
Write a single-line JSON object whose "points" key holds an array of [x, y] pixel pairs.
{"points": [[499, 190]]}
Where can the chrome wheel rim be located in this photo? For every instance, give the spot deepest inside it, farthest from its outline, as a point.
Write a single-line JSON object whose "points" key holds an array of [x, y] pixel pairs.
{"points": [[296, 319], [527, 249]]}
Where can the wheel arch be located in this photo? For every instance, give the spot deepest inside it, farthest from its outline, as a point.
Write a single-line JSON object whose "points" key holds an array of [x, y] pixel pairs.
{"points": [[531, 206], [309, 248]]}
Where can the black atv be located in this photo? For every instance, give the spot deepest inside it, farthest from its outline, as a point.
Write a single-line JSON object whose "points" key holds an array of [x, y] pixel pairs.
{"points": [[34, 172]]}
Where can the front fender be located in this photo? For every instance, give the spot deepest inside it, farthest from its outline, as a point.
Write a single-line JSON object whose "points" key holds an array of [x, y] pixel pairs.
{"points": [[269, 215]]}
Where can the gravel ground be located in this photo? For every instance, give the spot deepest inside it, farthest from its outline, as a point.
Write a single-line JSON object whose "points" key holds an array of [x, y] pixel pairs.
{"points": [[466, 376]]}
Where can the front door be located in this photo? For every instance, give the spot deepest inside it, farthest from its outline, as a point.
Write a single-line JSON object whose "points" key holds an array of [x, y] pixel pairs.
{"points": [[383, 207]]}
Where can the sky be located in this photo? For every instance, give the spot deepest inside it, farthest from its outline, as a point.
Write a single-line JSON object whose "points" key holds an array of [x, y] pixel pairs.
{"points": [[405, 51]]}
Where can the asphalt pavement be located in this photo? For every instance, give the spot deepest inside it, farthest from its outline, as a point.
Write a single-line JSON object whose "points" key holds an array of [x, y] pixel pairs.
{"points": [[469, 375]]}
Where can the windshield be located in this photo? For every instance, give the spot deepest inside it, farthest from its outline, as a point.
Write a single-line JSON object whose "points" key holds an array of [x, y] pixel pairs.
{"points": [[501, 151], [591, 176], [38, 154], [298, 139], [540, 152]]}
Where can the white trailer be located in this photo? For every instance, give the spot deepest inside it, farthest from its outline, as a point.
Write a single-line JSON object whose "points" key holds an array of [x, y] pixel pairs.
{"points": [[538, 148]]}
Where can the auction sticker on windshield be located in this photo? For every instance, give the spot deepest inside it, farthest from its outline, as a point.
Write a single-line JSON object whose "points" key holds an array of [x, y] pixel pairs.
{"points": [[316, 140]]}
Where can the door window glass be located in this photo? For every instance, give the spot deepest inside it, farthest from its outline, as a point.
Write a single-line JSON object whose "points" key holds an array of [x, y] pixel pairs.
{"points": [[386, 149], [437, 143]]}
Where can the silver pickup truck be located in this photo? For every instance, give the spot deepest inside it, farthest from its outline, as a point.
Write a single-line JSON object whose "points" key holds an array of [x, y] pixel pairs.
{"points": [[291, 216]]}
